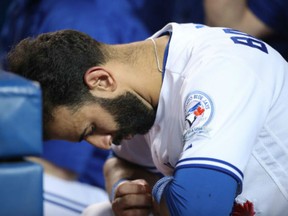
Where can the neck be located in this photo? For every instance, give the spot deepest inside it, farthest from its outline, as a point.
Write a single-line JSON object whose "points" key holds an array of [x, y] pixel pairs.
{"points": [[139, 63]]}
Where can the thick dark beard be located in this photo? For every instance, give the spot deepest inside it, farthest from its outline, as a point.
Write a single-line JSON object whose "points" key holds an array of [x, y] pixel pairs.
{"points": [[131, 115]]}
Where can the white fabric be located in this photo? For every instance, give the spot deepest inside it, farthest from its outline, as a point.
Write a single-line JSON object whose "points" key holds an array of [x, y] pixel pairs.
{"points": [[69, 198], [243, 130], [99, 209]]}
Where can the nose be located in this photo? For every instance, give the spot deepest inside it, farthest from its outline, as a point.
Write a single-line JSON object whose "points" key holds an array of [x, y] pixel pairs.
{"points": [[103, 141]]}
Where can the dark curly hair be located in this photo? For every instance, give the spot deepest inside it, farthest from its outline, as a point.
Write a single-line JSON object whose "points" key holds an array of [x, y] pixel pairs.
{"points": [[58, 61]]}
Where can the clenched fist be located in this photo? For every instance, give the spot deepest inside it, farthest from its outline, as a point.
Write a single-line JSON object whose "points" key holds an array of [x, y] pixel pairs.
{"points": [[133, 198]]}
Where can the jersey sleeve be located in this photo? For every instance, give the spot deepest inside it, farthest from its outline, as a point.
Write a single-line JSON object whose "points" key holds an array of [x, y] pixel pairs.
{"points": [[224, 112], [191, 192]]}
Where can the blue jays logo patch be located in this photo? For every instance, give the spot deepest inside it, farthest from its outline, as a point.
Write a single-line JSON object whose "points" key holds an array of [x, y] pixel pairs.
{"points": [[198, 112]]}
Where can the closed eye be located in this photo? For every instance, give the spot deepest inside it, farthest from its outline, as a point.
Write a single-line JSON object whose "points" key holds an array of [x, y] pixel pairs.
{"points": [[91, 131], [88, 132]]}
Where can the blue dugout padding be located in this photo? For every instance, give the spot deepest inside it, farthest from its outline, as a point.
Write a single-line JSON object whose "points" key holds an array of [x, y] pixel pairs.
{"points": [[21, 181]]}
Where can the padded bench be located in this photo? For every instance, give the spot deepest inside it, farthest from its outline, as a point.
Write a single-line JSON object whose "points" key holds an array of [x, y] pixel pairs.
{"points": [[21, 181]]}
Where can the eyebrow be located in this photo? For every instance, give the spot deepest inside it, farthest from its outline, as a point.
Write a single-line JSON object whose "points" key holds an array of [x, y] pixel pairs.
{"points": [[83, 134]]}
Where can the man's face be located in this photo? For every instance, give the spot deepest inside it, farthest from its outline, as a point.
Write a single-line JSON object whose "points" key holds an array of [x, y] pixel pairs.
{"points": [[103, 124]]}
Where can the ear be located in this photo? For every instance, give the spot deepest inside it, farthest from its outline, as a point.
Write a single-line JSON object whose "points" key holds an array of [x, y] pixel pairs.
{"points": [[99, 78]]}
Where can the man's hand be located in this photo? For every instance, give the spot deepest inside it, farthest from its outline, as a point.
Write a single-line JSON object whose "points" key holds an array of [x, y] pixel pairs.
{"points": [[132, 198], [235, 14]]}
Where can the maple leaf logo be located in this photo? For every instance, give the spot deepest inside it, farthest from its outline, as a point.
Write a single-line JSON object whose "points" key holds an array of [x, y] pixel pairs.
{"points": [[245, 209], [199, 111]]}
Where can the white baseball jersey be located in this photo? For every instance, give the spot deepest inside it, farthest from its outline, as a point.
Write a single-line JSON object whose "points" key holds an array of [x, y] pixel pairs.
{"points": [[223, 105], [69, 198]]}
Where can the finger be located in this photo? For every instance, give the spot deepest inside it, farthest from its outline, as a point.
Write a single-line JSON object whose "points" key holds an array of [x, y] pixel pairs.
{"points": [[136, 212], [130, 188], [144, 183], [132, 211], [133, 201]]}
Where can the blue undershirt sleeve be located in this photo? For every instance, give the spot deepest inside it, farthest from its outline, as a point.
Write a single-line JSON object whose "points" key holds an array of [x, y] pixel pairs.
{"points": [[197, 191]]}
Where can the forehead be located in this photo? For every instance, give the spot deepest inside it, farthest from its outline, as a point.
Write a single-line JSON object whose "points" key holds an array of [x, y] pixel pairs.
{"points": [[69, 125], [65, 124]]}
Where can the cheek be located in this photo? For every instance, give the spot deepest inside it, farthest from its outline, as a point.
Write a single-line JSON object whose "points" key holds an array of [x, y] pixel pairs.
{"points": [[104, 121], [62, 131]]}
